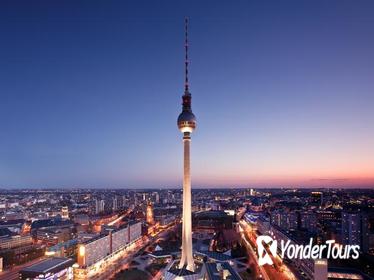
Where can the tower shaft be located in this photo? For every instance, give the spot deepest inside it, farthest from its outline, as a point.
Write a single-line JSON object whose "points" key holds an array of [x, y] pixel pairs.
{"points": [[187, 256]]}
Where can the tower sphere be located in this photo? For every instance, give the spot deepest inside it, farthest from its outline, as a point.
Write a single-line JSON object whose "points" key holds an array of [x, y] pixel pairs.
{"points": [[186, 121]]}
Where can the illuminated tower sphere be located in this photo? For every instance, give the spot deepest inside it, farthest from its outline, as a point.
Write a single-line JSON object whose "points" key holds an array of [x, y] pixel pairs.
{"points": [[186, 124]]}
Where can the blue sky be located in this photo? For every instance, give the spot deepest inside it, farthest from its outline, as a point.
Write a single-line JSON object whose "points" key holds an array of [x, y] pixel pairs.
{"points": [[282, 90]]}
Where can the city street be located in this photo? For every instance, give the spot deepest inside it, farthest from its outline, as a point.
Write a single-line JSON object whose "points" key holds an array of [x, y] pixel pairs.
{"points": [[12, 274]]}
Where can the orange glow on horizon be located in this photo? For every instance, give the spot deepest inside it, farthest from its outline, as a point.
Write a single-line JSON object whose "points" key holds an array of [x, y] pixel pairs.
{"points": [[286, 181]]}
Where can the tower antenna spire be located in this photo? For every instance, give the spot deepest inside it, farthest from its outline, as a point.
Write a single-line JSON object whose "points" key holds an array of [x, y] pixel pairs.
{"points": [[186, 86]]}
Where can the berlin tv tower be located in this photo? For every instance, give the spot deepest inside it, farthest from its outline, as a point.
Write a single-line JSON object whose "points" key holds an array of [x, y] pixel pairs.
{"points": [[186, 124]]}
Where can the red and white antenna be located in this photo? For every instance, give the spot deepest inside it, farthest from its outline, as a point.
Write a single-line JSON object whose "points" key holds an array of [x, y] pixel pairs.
{"points": [[186, 54]]}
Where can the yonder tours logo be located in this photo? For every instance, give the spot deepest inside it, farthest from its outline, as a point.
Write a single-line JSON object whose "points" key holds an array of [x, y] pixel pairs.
{"points": [[267, 248]]}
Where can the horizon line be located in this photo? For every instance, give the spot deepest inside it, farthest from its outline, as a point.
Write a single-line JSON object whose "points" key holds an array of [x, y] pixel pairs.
{"points": [[195, 188]]}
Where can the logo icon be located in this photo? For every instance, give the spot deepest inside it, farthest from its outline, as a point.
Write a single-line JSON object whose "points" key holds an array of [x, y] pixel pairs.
{"points": [[263, 255]]}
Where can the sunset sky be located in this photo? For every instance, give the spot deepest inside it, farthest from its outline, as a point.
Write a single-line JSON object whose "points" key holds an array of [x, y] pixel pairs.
{"points": [[283, 92]]}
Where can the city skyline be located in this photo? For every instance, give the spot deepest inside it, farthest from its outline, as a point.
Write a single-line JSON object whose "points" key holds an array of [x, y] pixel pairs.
{"points": [[280, 104], [111, 233]]}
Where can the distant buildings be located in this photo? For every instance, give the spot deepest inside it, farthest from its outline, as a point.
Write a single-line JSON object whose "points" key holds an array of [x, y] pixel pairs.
{"points": [[285, 219]]}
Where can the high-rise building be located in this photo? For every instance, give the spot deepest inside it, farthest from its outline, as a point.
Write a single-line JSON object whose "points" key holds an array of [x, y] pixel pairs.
{"points": [[186, 124], [351, 228], [99, 206], [252, 192], [317, 198], [124, 201], [308, 221], [355, 230], [115, 203]]}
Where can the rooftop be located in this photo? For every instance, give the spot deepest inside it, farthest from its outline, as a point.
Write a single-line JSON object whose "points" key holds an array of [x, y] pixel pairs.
{"points": [[66, 244], [211, 214], [160, 254], [216, 256], [174, 271], [215, 270], [51, 265]]}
